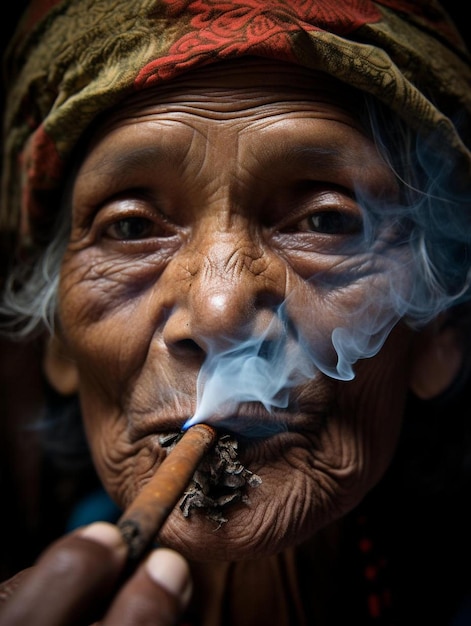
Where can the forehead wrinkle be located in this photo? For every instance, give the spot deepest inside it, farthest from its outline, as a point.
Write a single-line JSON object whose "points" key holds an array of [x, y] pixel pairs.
{"points": [[261, 107]]}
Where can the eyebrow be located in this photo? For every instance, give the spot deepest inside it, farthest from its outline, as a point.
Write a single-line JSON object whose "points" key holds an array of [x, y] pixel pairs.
{"points": [[304, 159], [128, 162], [331, 160], [317, 154]]}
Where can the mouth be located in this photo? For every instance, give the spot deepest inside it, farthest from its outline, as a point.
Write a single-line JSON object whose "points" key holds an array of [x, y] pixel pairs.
{"points": [[254, 424], [251, 421], [225, 476]]}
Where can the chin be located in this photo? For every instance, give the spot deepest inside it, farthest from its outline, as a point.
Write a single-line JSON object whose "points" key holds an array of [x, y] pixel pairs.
{"points": [[258, 527], [201, 539]]}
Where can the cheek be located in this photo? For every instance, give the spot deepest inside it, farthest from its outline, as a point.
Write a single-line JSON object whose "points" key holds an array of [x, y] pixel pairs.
{"points": [[122, 465], [104, 335], [339, 327], [358, 439], [372, 405], [109, 444]]}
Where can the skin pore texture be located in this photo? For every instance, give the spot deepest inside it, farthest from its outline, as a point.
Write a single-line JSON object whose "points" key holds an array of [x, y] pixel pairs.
{"points": [[199, 208]]}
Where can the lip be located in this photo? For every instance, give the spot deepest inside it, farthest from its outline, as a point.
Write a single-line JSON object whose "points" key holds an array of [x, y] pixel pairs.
{"points": [[250, 420]]}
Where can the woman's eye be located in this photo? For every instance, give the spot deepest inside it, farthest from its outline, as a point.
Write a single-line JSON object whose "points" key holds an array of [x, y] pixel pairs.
{"points": [[331, 223], [131, 228]]}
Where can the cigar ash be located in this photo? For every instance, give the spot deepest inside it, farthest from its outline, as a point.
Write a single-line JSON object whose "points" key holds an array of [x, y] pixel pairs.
{"points": [[219, 481]]}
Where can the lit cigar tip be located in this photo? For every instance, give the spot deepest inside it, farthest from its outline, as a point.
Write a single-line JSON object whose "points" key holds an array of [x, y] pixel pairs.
{"points": [[202, 427]]}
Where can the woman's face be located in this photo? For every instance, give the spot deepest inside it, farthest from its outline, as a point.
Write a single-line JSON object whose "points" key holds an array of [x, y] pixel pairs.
{"points": [[230, 205]]}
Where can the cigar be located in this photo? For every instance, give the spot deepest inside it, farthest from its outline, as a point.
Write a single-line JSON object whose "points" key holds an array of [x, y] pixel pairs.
{"points": [[142, 520]]}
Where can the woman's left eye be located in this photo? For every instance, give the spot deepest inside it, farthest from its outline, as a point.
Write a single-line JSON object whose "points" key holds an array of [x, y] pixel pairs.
{"points": [[331, 223], [130, 228]]}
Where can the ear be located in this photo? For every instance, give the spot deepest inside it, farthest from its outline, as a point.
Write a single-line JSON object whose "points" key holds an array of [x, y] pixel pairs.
{"points": [[59, 368], [437, 360]]}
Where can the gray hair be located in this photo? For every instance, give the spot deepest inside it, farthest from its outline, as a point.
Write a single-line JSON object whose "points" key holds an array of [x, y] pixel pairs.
{"points": [[30, 297]]}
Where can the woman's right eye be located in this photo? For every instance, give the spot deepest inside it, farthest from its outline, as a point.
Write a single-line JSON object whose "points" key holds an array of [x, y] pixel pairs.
{"points": [[131, 229]]}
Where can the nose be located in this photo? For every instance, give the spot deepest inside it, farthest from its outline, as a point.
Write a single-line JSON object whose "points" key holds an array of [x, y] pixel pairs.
{"points": [[221, 293]]}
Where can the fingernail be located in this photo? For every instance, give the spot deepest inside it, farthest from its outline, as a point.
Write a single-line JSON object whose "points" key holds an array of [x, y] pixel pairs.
{"points": [[170, 570], [104, 533]]}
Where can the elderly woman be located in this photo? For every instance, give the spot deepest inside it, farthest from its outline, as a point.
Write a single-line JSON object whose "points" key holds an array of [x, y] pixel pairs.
{"points": [[253, 215]]}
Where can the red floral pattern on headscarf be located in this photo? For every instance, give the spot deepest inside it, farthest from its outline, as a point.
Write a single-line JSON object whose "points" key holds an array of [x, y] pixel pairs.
{"points": [[251, 27]]}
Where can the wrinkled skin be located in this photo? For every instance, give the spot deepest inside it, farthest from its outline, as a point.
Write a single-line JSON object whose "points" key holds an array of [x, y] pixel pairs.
{"points": [[198, 209]]}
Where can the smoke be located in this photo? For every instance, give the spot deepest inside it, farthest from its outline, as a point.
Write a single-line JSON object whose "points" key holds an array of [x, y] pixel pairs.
{"points": [[264, 368], [258, 369]]}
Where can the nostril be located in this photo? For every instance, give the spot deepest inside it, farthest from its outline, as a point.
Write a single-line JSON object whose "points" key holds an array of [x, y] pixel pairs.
{"points": [[268, 300], [188, 345]]}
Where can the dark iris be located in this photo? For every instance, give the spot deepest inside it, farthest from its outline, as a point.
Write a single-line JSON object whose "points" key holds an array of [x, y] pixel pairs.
{"points": [[335, 223], [132, 228]]}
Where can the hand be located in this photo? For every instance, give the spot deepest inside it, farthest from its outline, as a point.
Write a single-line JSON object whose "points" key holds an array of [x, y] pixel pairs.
{"points": [[77, 581]]}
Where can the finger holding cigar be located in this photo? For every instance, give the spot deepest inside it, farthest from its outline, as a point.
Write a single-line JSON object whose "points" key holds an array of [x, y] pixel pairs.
{"points": [[80, 580]]}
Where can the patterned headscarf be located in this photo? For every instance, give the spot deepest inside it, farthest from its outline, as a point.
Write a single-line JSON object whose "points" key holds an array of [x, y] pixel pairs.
{"points": [[70, 60]]}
